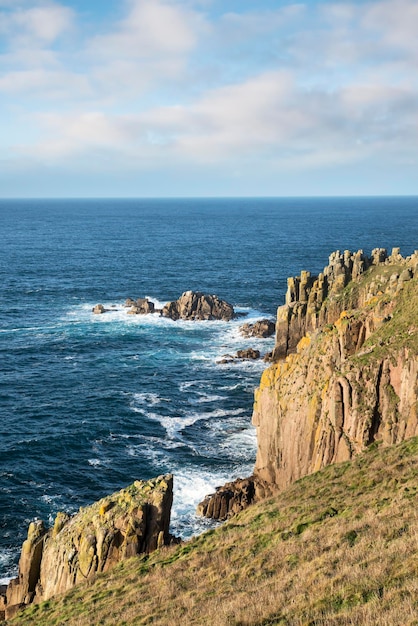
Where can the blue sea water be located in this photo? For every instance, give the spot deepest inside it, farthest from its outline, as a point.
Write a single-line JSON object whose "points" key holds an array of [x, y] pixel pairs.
{"points": [[90, 403]]}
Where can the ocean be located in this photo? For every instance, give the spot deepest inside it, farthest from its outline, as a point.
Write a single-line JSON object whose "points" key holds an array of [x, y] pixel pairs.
{"points": [[90, 403]]}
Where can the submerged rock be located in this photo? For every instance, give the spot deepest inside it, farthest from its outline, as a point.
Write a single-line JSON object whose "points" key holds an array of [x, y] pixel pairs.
{"points": [[194, 305], [132, 521]]}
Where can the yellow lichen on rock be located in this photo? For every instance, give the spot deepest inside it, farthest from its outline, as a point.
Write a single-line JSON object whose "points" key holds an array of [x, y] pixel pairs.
{"points": [[304, 343], [105, 507], [332, 395], [131, 521]]}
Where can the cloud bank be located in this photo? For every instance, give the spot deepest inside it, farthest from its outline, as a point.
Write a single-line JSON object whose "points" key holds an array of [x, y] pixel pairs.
{"points": [[324, 92]]}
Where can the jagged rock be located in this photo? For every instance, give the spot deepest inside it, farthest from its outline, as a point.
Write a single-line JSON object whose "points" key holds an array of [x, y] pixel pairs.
{"points": [[21, 590], [262, 329], [313, 301], [249, 354], [232, 498], [99, 309], [142, 306], [193, 305], [227, 358], [129, 522]]}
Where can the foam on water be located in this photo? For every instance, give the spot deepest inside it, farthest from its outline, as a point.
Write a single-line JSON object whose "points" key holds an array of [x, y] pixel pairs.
{"points": [[206, 398], [190, 489], [175, 425], [149, 398]]}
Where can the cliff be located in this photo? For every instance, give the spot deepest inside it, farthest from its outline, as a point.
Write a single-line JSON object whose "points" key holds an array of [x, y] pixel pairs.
{"points": [[344, 373], [132, 521], [346, 365]]}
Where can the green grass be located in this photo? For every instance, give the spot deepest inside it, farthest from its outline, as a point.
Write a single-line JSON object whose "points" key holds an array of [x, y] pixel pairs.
{"points": [[339, 547]]}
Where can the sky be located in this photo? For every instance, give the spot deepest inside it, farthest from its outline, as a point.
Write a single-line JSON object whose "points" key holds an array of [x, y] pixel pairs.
{"points": [[163, 98]]}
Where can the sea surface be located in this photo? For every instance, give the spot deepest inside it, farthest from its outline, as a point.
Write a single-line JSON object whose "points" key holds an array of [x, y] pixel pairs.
{"points": [[89, 403]]}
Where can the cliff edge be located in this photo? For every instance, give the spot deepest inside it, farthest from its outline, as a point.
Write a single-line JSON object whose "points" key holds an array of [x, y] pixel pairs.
{"points": [[344, 373], [349, 373], [132, 521]]}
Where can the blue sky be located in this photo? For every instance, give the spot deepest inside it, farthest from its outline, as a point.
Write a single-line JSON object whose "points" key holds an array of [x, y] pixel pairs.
{"points": [[208, 98]]}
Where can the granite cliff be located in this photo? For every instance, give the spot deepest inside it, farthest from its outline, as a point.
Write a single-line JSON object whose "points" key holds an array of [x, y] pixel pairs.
{"points": [[132, 521], [344, 373]]}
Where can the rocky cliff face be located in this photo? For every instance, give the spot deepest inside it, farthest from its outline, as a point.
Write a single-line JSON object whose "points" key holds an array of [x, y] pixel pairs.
{"points": [[130, 522], [344, 373], [346, 366]]}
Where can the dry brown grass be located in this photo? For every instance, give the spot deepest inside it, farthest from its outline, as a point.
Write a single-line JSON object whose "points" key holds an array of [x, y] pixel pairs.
{"points": [[339, 548]]}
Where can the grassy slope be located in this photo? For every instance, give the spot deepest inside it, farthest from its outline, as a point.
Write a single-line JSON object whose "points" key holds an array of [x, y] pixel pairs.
{"points": [[338, 547]]}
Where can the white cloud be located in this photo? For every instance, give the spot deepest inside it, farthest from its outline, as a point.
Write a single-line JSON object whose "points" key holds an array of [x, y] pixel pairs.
{"points": [[44, 84], [40, 24], [295, 88], [396, 21], [152, 28]]}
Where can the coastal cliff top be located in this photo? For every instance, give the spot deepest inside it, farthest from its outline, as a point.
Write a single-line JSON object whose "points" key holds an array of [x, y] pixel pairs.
{"points": [[347, 533]]}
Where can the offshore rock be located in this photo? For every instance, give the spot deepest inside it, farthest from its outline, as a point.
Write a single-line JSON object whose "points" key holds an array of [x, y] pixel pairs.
{"points": [[132, 521], [99, 309], [194, 305], [248, 354], [141, 306], [261, 328]]}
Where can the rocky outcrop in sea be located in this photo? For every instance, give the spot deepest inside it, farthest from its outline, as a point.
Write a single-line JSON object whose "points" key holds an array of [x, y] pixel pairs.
{"points": [[192, 305], [260, 329]]}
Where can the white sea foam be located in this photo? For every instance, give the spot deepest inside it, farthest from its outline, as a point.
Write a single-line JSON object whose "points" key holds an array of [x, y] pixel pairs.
{"points": [[51, 499], [157, 303], [149, 399], [174, 425], [204, 398], [184, 386], [241, 445], [190, 488], [95, 462], [7, 569]]}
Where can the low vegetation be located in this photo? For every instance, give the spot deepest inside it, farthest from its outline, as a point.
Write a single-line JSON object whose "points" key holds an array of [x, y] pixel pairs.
{"points": [[338, 548]]}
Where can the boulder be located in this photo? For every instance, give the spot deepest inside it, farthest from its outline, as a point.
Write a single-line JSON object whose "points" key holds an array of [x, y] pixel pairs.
{"points": [[99, 309], [262, 329], [232, 498], [132, 521], [194, 305], [141, 306], [248, 354]]}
